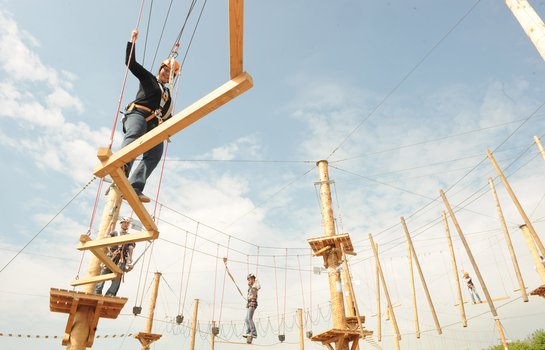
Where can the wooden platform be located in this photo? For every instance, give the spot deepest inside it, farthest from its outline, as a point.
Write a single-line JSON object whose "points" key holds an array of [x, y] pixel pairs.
{"points": [[66, 301], [539, 291], [320, 245], [147, 338], [333, 335]]}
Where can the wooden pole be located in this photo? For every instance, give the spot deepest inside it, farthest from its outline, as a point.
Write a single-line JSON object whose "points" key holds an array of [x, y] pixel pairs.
{"points": [[531, 23], [84, 314], [533, 251], [508, 241], [540, 147], [194, 325], [421, 275], [213, 338], [397, 335], [502, 335], [415, 306], [335, 287], [153, 301], [379, 311], [455, 268], [470, 255], [301, 337], [517, 203]]}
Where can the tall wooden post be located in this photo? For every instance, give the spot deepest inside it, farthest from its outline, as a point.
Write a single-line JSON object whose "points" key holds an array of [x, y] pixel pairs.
{"points": [[421, 275], [397, 335], [533, 251], [301, 337], [455, 268], [213, 338], [80, 331], [194, 325], [147, 338], [531, 23], [470, 255], [508, 241], [540, 147], [502, 334], [475, 267], [335, 289], [379, 311], [415, 305], [517, 203]]}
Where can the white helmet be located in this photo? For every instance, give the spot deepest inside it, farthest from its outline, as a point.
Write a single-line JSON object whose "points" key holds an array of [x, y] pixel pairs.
{"points": [[125, 219]]}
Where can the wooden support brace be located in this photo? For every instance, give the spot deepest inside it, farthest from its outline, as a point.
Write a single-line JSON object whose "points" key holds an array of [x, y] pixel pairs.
{"points": [[223, 94], [329, 346], [101, 255], [94, 323], [99, 278], [322, 251], [122, 183], [70, 321]]}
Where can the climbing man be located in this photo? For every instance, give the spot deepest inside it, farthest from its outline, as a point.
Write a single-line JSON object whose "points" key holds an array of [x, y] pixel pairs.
{"points": [[471, 287], [152, 105], [121, 256], [251, 305]]}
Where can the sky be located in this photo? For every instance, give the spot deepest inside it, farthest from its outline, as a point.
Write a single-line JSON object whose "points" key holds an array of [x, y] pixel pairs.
{"points": [[401, 97]]}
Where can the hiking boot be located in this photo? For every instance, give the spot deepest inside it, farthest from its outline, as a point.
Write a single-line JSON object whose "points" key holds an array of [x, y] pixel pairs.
{"points": [[144, 198]]}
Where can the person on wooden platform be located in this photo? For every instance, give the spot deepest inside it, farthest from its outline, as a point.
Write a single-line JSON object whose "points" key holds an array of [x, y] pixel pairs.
{"points": [[251, 305], [471, 288], [152, 105], [120, 255]]}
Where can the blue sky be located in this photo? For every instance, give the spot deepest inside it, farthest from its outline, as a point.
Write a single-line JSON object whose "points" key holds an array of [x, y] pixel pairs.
{"points": [[402, 97]]}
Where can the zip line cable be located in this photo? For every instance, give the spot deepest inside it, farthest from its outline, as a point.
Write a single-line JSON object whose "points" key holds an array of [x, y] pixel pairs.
{"points": [[47, 224], [405, 78]]}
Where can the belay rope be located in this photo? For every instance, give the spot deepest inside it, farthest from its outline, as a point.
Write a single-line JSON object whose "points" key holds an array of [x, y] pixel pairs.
{"points": [[232, 278]]}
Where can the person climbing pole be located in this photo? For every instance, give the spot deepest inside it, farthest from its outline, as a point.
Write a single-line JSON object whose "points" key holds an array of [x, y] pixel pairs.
{"points": [[471, 287], [121, 256], [152, 105], [251, 305]]}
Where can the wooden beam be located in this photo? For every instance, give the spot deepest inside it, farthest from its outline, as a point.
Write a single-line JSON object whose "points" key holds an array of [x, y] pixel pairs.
{"points": [[236, 32], [70, 320], [131, 237], [101, 255], [94, 323], [94, 279], [176, 123], [122, 183]]}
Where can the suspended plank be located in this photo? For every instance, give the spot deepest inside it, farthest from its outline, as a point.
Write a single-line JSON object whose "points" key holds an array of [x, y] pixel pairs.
{"points": [[101, 255], [173, 125], [94, 279]]}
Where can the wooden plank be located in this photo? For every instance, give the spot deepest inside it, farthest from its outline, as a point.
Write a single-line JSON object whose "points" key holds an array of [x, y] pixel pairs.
{"points": [[236, 32], [99, 278], [131, 237], [70, 320], [99, 253], [122, 183], [178, 122]]}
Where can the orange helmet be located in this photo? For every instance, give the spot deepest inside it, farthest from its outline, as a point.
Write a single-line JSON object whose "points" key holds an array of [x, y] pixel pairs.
{"points": [[167, 63]]}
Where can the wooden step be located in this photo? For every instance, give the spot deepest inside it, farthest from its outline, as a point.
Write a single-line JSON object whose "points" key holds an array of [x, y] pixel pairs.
{"points": [[99, 278], [101, 255], [215, 99], [86, 244]]}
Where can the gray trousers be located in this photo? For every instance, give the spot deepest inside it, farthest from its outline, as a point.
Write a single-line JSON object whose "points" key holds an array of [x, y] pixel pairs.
{"points": [[134, 126]]}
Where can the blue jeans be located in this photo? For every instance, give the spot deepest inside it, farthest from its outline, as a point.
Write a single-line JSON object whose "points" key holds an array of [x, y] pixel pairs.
{"points": [[114, 287], [249, 321], [474, 295], [134, 126]]}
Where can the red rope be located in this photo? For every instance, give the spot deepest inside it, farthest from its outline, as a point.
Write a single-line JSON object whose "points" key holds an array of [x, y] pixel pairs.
{"points": [[160, 180], [93, 213], [215, 282], [285, 288], [301, 280], [257, 262], [276, 292], [124, 82]]}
